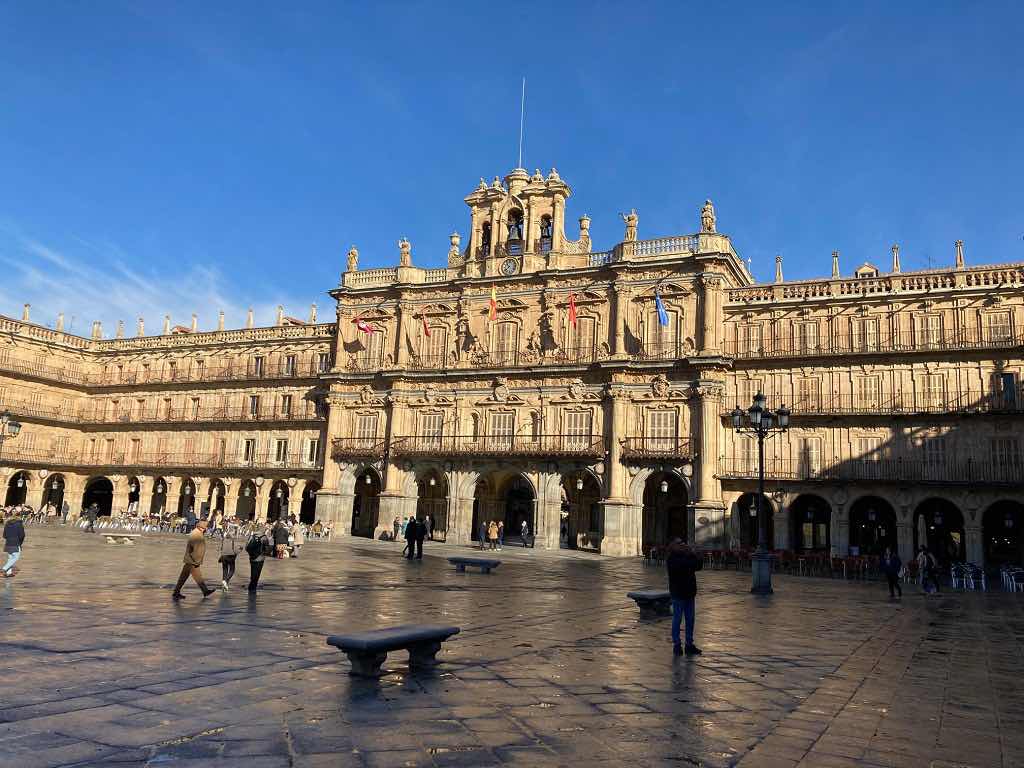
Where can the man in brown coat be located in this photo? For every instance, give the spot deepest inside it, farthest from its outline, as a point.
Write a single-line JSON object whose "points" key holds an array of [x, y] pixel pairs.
{"points": [[195, 550]]}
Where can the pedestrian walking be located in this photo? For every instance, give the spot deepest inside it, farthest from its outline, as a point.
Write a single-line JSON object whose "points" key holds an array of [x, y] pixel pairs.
{"points": [[421, 533], [891, 565], [91, 513], [396, 526], [298, 538], [482, 534], [492, 534], [682, 565], [411, 530], [195, 551], [280, 534], [501, 534], [14, 539], [927, 566], [228, 554], [65, 510], [428, 525], [257, 548], [524, 531]]}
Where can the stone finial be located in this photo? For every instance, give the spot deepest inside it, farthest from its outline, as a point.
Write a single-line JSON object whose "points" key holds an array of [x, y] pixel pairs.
{"points": [[553, 176], [778, 269], [24, 313], [120, 329], [895, 257], [312, 313], [97, 330], [195, 322], [537, 175], [60, 321], [959, 244], [496, 184], [404, 253], [141, 330], [167, 325], [280, 314], [220, 320], [708, 222], [835, 263], [249, 319], [353, 259]]}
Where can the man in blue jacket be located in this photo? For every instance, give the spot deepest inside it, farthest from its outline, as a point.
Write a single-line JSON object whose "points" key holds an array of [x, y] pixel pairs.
{"points": [[682, 565], [14, 538]]}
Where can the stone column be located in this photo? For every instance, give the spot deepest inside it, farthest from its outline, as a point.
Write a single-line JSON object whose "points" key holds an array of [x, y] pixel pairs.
{"points": [[232, 487], [262, 497], [145, 494], [401, 351], [782, 528], [172, 487], [839, 531], [335, 416], [974, 548], [74, 487], [711, 313], [621, 517], [621, 296], [557, 223]]}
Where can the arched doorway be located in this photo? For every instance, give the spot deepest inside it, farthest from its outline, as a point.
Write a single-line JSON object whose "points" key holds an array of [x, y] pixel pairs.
{"points": [[215, 499], [133, 495], [748, 533], [872, 526], [100, 491], [939, 525], [158, 505], [277, 504], [17, 489], [187, 497], [245, 506], [53, 491], [812, 523], [1001, 533], [432, 501], [307, 511], [581, 523], [511, 501], [366, 504], [665, 505]]}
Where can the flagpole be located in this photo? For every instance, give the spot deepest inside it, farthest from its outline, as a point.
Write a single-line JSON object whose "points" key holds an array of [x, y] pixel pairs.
{"points": [[522, 122]]}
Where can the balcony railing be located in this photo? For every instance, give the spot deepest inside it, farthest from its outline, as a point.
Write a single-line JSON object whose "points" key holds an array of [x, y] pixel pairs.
{"points": [[343, 448], [908, 403], [512, 358], [19, 456], [852, 344], [567, 446], [33, 411], [880, 470], [640, 448]]}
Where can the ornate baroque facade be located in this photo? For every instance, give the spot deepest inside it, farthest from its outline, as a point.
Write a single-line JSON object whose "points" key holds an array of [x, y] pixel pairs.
{"points": [[584, 393]]}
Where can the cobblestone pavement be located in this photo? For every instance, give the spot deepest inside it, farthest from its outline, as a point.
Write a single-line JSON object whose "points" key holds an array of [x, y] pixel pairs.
{"points": [[552, 667]]}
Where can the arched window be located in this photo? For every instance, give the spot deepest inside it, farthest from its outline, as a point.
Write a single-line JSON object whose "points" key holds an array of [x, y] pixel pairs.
{"points": [[547, 233], [485, 239]]}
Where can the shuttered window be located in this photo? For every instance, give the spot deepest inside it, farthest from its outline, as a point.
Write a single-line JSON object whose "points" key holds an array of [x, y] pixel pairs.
{"points": [[366, 428], [577, 430], [500, 431], [998, 326], [431, 426], [807, 337], [809, 456], [865, 334], [867, 392], [808, 394], [933, 391], [584, 339], [661, 430]]}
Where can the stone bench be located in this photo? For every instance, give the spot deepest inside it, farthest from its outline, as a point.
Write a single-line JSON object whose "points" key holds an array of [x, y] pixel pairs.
{"points": [[484, 564], [367, 650], [652, 602], [121, 538]]}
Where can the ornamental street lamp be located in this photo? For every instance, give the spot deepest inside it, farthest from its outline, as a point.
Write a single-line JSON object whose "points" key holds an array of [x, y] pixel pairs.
{"points": [[757, 420], [8, 427]]}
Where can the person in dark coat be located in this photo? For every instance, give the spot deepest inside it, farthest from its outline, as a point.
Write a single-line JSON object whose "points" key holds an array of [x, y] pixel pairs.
{"points": [[413, 537], [91, 513], [256, 548], [421, 534], [682, 565], [891, 565], [280, 538], [14, 538]]}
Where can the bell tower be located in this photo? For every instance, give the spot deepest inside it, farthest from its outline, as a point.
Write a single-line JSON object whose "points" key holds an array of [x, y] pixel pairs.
{"points": [[515, 223]]}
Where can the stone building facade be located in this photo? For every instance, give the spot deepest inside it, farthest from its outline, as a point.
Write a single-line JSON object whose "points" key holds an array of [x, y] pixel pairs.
{"points": [[582, 394]]}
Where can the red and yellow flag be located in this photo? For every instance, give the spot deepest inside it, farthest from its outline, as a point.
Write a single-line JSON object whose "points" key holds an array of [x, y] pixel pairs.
{"points": [[493, 313], [572, 309]]}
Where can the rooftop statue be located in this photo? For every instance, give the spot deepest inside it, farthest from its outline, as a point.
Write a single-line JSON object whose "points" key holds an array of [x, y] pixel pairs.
{"points": [[404, 253], [707, 218], [631, 219], [353, 259]]}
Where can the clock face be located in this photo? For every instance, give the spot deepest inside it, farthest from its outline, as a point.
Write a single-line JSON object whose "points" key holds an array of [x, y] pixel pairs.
{"points": [[509, 267]]}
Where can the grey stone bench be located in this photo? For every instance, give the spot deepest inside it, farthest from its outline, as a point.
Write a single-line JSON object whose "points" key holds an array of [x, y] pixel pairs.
{"points": [[483, 563], [652, 602], [121, 538], [367, 650]]}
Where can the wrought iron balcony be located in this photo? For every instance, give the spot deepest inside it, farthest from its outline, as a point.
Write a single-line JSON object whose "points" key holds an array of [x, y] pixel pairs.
{"points": [[563, 446], [344, 448], [281, 371], [20, 456], [906, 404], [899, 470], [643, 448]]}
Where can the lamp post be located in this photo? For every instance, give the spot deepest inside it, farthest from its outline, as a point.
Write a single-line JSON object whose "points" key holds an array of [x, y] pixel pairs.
{"points": [[8, 427], [759, 421]]}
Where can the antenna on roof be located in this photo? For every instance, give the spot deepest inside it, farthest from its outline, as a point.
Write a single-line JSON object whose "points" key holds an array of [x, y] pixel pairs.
{"points": [[522, 121]]}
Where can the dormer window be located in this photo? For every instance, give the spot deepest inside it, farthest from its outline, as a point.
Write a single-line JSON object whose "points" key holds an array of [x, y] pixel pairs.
{"points": [[866, 270]]}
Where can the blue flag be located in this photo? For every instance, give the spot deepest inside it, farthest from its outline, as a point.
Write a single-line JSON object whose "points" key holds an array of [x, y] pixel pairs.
{"points": [[662, 314]]}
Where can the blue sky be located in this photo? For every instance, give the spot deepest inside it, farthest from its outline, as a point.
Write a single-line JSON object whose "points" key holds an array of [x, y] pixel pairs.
{"points": [[185, 157]]}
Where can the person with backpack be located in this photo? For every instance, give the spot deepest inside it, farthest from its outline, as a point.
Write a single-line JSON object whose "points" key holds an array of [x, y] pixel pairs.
{"points": [[257, 548], [14, 539]]}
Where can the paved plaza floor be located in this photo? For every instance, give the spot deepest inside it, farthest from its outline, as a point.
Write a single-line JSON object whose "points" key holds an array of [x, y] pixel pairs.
{"points": [[553, 666]]}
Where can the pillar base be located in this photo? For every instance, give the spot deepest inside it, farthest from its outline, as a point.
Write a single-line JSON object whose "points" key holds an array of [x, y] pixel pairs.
{"points": [[761, 573], [707, 521]]}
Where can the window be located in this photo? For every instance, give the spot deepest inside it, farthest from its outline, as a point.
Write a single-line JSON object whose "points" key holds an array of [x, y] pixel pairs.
{"points": [[289, 365], [662, 338], [28, 441], [366, 428], [867, 393], [190, 447], [578, 430], [746, 454], [93, 450], [997, 327], [809, 457], [286, 406], [145, 371], [249, 450], [435, 347], [200, 369], [929, 330], [323, 362], [934, 451], [661, 430], [281, 451], [1006, 390], [431, 427], [313, 450], [372, 351], [165, 407], [584, 339], [506, 343], [808, 396], [500, 431], [222, 450], [320, 404], [108, 449], [1004, 453], [257, 366], [865, 334], [933, 391], [254, 406], [751, 338], [868, 451], [140, 409], [195, 408], [746, 389], [172, 370], [61, 446], [807, 337], [547, 232]]}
